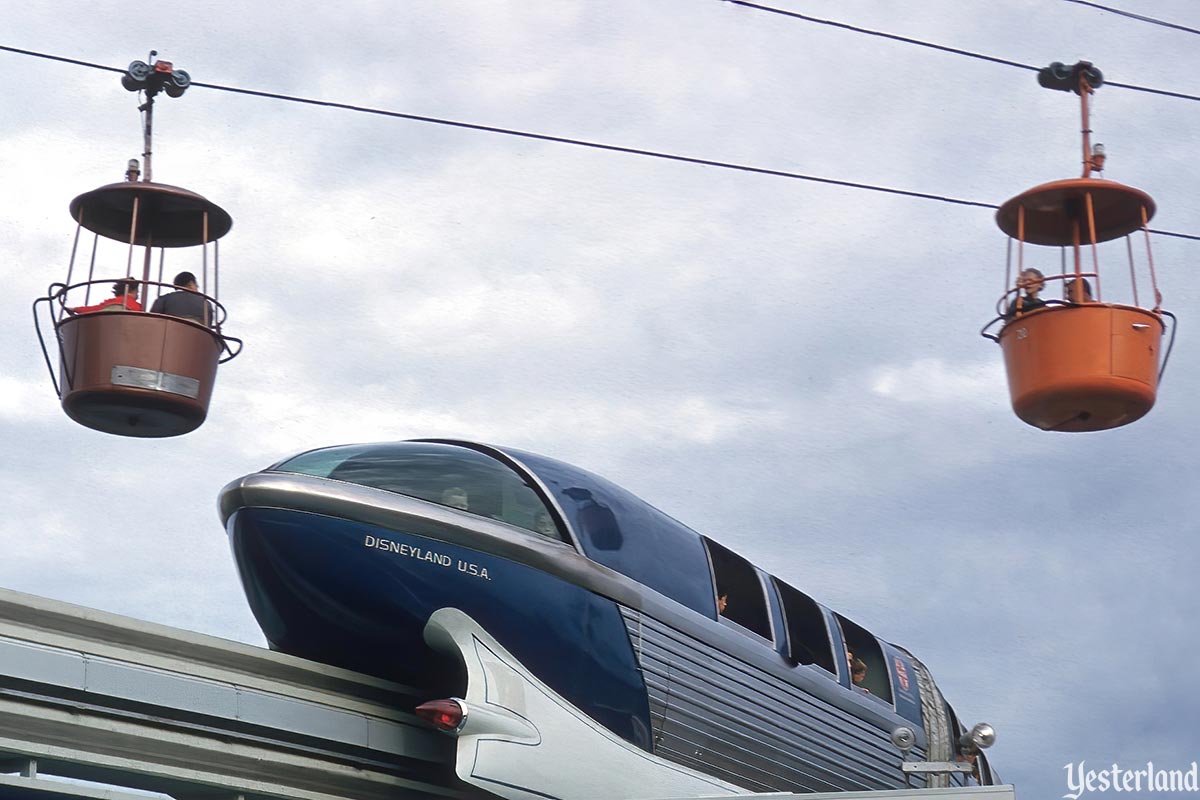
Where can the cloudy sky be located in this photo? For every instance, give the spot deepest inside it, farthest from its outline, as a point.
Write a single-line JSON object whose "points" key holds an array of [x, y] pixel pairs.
{"points": [[790, 367]]}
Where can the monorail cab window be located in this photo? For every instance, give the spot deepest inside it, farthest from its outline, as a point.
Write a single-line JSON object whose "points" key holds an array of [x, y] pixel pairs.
{"points": [[738, 591], [446, 474], [861, 644], [983, 770], [808, 635]]}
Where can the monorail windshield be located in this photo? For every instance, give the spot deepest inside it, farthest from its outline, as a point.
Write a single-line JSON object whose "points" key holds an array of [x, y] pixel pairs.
{"points": [[448, 475]]}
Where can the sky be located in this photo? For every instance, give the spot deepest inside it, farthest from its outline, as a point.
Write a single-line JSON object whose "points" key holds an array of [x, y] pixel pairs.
{"points": [[789, 367]]}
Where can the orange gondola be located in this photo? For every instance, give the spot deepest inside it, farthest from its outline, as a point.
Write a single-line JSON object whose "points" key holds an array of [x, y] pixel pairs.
{"points": [[1078, 363], [122, 369]]}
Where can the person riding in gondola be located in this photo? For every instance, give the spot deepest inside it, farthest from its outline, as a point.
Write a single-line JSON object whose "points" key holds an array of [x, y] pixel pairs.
{"points": [[1032, 281], [125, 293], [1079, 291], [186, 302]]}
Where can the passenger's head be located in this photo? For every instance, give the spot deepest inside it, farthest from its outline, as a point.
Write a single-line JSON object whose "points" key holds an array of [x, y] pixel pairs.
{"points": [[1079, 291], [186, 280], [125, 286], [544, 525], [722, 602], [1032, 280], [858, 670], [455, 497]]}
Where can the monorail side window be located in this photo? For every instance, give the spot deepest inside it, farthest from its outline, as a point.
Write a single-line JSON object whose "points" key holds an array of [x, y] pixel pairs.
{"points": [[808, 635], [739, 592], [862, 644], [959, 729], [457, 477]]}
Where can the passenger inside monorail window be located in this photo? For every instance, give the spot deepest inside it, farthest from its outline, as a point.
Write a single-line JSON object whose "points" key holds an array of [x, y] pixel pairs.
{"points": [[448, 475], [738, 592], [858, 672], [455, 497], [544, 525], [861, 645]]}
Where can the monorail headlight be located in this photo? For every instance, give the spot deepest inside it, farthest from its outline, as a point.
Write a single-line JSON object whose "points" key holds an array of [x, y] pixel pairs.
{"points": [[980, 737]]}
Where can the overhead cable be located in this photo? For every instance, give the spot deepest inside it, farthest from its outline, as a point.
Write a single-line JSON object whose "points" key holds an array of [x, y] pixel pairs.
{"points": [[1148, 90], [881, 34], [567, 140], [941, 47], [595, 145], [62, 59], [1139, 17]]}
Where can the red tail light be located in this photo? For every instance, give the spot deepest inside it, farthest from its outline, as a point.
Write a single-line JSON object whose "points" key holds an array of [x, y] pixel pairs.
{"points": [[445, 715]]}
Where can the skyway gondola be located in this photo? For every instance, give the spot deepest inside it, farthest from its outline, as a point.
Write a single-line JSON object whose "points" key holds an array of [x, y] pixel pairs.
{"points": [[125, 365]]}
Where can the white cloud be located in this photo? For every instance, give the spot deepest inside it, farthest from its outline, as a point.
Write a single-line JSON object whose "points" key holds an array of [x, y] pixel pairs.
{"points": [[933, 381], [23, 400]]}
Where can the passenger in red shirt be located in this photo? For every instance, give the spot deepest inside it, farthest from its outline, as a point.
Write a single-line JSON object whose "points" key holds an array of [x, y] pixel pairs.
{"points": [[124, 298]]}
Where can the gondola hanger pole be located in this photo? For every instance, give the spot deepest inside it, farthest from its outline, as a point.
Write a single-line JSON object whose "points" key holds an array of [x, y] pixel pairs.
{"points": [[147, 110], [1086, 130], [152, 78], [1082, 78]]}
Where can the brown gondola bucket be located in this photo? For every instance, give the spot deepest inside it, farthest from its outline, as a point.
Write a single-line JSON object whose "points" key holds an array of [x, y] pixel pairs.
{"points": [[137, 374]]}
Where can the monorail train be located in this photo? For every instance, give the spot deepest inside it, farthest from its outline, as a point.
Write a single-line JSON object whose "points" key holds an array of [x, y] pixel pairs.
{"points": [[593, 645]]}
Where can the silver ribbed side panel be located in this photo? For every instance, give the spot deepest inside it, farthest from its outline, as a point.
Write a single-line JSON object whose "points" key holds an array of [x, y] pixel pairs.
{"points": [[718, 713]]}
